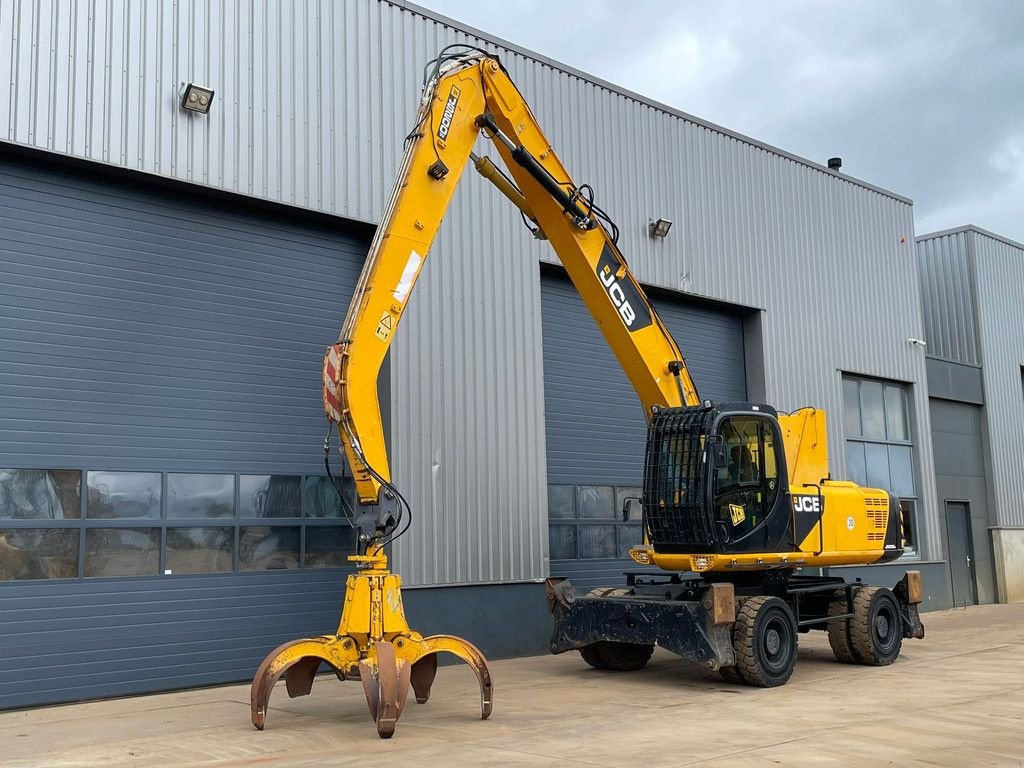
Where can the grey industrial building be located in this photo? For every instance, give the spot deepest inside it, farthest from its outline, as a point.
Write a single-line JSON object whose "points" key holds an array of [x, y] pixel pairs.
{"points": [[973, 304], [170, 280]]}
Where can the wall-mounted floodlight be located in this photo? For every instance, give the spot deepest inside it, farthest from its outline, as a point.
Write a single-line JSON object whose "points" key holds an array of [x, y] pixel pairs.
{"points": [[196, 98], [659, 228]]}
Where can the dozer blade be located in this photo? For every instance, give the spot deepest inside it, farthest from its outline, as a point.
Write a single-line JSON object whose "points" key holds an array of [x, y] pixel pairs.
{"points": [[386, 685]]}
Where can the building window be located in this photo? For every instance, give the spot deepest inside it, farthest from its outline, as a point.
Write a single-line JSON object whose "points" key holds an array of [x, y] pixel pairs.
{"points": [[70, 523], [586, 524], [879, 451], [40, 494]]}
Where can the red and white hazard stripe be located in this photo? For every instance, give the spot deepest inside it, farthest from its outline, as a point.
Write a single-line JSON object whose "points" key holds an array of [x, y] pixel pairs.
{"points": [[332, 383]]}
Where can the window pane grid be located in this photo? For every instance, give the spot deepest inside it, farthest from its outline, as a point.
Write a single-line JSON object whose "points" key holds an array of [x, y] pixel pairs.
{"points": [[67, 524], [879, 445], [585, 522]]}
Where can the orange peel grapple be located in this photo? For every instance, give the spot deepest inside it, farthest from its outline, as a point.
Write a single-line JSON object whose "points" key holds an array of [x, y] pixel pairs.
{"points": [[373, 644]]}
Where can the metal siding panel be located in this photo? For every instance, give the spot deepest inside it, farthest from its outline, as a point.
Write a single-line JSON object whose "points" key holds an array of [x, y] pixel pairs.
{"points": [[998, 268], [91, 638], [754, 226], [946, 293], [595, 429], [148, 332], [960, 474]]}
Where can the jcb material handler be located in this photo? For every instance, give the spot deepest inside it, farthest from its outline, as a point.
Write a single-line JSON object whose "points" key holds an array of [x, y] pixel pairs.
{"points": [[733, 492]]}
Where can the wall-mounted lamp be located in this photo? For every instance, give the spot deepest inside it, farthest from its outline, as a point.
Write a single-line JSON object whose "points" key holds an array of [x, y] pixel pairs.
{"points": [[196, 98], [659, 228], [917, 342]]}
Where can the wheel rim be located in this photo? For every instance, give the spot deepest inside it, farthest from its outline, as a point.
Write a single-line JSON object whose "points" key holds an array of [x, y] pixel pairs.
{"points": [[772, 641], [885, 626], [777, 643]]}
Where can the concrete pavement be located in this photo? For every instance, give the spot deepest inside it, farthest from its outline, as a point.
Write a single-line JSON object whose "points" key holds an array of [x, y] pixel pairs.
{"points": [[953, 699]]}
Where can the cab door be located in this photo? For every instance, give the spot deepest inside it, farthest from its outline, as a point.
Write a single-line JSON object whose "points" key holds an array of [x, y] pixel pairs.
{"points": [[750, 492]]}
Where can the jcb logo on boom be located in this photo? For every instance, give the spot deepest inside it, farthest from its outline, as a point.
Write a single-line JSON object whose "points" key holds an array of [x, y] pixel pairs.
{"points": [[624, 293], [618, 297], [807, 504], [449, 113]]}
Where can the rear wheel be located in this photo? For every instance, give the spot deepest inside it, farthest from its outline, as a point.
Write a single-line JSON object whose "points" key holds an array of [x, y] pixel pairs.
{"points": [[839, 630], [876, 630], [618, 657], [764, 639]]}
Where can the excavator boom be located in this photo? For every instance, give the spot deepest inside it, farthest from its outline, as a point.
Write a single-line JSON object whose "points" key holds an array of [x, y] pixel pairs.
{"points": [[469, 96]]}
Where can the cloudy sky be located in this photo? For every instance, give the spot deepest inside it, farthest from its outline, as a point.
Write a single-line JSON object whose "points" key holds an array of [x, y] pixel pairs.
{"points": [[923, 98]]}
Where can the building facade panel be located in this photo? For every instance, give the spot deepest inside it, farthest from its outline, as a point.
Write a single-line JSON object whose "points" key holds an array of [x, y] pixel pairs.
{"points": [[163, 515], [947, 298], [595, 427], [312, 103], [962, 477], [999, 271]]}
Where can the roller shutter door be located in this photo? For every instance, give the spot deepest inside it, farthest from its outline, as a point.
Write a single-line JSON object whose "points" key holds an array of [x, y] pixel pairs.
{"points": [[160, 360], [595, 426]]}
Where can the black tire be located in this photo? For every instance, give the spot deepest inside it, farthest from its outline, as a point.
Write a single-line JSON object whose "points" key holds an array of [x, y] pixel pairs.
{"points": [[876, 629], [764, 639], [592, 657], [839, 630], [730, 675], [617, 657]]}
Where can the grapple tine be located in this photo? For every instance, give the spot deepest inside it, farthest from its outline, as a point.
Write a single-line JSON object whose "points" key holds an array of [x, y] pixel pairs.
{"points": [[298, 665], [470, 654], [423, 673], [386, 685], [298, 680]]}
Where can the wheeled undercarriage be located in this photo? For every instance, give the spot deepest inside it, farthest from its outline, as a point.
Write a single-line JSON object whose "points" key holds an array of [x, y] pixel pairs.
{"points": [[746, 627]]}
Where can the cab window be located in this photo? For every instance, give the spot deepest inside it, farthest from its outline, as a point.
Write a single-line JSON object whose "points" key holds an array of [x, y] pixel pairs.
{"points": [[746, 488]]}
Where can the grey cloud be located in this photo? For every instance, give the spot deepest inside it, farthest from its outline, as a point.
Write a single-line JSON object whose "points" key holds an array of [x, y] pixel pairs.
{"points": [[923, 98]]}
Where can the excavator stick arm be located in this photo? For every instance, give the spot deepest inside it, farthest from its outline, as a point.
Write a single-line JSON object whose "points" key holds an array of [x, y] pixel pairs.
{"points": [[475, 95]]}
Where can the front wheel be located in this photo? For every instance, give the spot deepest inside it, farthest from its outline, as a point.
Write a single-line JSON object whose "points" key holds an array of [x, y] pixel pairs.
{"points": [[764, 639]]}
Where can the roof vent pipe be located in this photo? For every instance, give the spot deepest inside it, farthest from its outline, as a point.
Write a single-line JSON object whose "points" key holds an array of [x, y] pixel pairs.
{"points": [[835, 163]]}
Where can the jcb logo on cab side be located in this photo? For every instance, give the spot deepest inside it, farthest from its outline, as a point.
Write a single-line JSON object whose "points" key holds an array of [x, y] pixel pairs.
{"points": [[813, 504]]}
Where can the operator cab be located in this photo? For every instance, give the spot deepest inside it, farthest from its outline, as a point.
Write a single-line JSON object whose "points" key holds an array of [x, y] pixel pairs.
{"points": [[715, 480]]}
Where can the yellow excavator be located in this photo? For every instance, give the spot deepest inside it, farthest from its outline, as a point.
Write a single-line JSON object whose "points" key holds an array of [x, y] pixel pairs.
{"points": [[736, 496]]}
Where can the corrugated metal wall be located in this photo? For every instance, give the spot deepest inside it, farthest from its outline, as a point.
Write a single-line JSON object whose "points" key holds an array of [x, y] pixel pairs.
{"points": [[595, 427], [947, 297], [972, 267], [313, 100], [999, 275], [961, 475], [145, 331]]}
